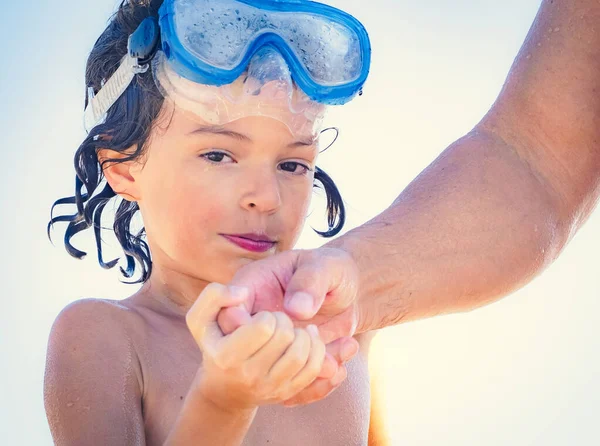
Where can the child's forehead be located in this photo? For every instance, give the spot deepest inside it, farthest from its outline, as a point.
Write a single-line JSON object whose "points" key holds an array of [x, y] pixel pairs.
{"points": [[247, 130], [245, 97]]}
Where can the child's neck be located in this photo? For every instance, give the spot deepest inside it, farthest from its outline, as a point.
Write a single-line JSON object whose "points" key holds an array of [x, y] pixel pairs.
{"points": [[173, 289]]}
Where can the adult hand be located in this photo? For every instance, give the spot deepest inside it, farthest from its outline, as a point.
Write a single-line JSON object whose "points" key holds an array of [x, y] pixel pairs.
{"points": [[313, 287]]}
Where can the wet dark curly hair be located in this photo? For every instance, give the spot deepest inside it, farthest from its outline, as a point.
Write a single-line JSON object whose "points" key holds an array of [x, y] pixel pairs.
{"points": [[128, 124]]}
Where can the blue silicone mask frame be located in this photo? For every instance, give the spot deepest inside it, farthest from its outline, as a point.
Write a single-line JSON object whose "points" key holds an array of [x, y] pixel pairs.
{"points": [[197, 70]]}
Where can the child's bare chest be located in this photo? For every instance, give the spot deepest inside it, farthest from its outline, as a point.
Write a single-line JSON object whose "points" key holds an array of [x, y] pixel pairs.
{"points": [[169, 365]]}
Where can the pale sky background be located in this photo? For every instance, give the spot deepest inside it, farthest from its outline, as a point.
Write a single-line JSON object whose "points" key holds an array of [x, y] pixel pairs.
{"points": [[523, 371]]}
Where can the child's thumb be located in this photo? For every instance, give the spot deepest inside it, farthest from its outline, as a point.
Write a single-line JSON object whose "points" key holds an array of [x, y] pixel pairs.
{"points": [[201, 319]]}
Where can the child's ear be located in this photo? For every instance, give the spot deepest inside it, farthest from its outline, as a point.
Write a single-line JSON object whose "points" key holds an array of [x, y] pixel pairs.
{"points": [[121, 176]]}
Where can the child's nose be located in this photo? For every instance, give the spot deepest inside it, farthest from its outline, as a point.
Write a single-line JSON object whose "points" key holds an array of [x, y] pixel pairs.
{"points": [[261, 192]]}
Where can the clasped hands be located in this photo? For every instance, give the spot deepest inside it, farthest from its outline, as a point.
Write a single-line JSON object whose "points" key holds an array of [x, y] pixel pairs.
{"points": [[313, 287]]}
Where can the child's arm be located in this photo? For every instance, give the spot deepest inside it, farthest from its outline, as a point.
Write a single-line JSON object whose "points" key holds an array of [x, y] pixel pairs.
{"points": [[92, 391], [266, 361]]}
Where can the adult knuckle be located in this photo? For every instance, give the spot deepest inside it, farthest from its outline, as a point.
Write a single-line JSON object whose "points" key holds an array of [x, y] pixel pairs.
{"points": [[332, 256], [340, 260], [312, 260], [346, 259]]}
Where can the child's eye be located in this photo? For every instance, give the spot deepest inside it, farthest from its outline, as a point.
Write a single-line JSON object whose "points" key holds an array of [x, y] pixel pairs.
{"points": [[216, 157], [295, 168]]}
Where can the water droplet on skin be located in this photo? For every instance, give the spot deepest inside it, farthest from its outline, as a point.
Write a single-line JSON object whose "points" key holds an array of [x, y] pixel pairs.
{"points": [[528, 56], [69, 404], [557, 29]]}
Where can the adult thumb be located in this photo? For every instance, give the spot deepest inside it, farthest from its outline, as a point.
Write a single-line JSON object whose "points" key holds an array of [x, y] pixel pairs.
{"points": [[323, 274]]}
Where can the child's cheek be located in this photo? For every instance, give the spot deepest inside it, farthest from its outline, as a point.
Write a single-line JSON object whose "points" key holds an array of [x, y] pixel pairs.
{"points": [[201, 213], [295, 215]]}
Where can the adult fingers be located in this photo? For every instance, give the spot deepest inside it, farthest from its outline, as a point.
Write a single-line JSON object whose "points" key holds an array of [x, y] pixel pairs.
{"points": [[267, 279], [339, 326], [343, 349], [233, 317], [319, 274], [339, 352]]}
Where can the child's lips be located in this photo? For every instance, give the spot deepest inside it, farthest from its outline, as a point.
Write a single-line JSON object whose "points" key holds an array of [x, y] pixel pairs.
{"points": [[251, 244], [256, 236]]}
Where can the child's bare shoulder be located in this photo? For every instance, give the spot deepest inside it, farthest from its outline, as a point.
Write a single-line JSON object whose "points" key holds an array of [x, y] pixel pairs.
{"points": [[96, 324], [90, 332], [90, 314], [92, 372]]}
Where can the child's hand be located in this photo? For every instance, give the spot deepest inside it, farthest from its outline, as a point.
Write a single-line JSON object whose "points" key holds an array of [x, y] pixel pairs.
{"points": [[265, 361]]}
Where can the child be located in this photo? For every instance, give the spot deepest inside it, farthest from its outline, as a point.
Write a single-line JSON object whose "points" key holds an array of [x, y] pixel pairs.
{"points": [[221, 171]]}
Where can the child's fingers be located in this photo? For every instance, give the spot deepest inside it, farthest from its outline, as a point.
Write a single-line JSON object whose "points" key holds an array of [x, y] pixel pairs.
{"points": [[244, 342], [315, 361], [201, 319], [319, 389], [293, 360], [264, 358], [329, 367], [338, 352]]}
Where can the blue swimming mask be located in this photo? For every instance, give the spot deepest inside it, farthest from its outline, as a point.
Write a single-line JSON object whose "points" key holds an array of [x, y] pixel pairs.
{"points": [[221, 59]]}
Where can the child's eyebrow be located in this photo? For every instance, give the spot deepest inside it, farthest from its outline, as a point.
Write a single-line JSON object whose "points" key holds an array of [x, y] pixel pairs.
{"points": [[218, 130]]}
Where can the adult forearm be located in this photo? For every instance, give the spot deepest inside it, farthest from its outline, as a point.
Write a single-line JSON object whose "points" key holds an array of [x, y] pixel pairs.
{"points": [[498, 205], [474, 226], [201, 422]]}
